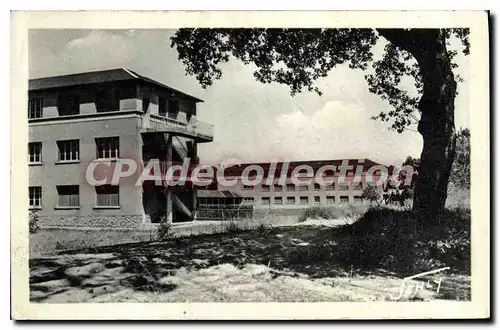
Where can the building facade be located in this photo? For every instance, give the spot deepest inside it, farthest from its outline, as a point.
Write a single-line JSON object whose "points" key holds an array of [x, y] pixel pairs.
{"points": [[286, 194], [75, 120]]}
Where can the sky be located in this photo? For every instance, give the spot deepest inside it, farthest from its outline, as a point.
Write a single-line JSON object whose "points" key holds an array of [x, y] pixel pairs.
{"points": [[253, 122]]}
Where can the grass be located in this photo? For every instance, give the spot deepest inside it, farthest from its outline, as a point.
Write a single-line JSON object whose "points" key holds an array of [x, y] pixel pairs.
{"points": [[46, 242], [50, 241], [458, 198], [334, 212], [400, 241]]}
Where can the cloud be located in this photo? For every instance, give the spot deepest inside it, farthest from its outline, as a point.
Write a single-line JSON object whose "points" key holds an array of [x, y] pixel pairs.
{"points": [[100, 49], [340, 129]]}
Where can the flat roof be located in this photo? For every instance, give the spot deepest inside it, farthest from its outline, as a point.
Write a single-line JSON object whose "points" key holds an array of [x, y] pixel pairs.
{"points": [[237, 170], [97, 77]]}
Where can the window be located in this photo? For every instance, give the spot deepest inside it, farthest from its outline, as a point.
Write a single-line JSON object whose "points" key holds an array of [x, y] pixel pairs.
{"points": [[343, 185], [35, 152], [344, 199], [330, 187], [278, 200], [68, 196], [248, 201], [277, 187], [173, 108], [107, 195], [330, 199], [290, 187], [145, 104], [290, 200], [69, 150], [162, 106], [303, 188], [247, 187], [317, 200], [265, 201], [357, 186], [35, 196], [316, 187], [265, 188], [108, 147], [357, 199], [68, 104], [303, 200], [107, 99], [35, 108]]}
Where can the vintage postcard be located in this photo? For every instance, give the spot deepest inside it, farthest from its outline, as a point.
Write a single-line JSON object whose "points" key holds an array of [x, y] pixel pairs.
{"points": [[250, 165]]}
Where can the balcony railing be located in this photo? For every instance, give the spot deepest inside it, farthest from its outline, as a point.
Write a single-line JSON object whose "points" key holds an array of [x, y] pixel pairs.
{"points": [[202, 128], [194, 127]]}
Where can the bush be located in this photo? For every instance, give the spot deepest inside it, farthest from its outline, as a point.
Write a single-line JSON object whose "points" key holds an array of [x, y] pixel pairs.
{"points": [[399, 241], [33, 221], [317, 212], [233, 227], [333, 212], [372, 194], [164, 229], [460, 171]]}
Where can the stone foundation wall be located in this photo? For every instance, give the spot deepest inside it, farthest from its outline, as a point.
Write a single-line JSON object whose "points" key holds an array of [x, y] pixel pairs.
{"points": [[110, 221]]}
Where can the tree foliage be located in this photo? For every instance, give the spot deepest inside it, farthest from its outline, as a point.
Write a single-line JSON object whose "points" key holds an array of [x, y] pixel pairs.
{"points": [[299, 57], [34, 218], [372, 194], [414, 162]]}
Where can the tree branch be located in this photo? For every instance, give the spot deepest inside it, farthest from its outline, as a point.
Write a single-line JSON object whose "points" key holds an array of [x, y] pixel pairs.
{"points": [[399, 37], [411, 40]]}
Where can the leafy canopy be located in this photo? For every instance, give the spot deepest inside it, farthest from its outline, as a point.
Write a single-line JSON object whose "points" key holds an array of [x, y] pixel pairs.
{"points": [[299, 57]]}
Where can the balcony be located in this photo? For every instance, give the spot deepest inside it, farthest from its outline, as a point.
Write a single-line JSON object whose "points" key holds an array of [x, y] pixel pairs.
{"points": [[195, 128]]}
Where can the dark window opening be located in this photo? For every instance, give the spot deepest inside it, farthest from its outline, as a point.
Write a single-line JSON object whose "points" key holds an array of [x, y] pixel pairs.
{"points": [[68, 196], [173, 108], [35, 152], [68, 104], [162, 106], [108, 147], [35, 196], [107, 100], [145, 104], [69, 150], [107, 195]]}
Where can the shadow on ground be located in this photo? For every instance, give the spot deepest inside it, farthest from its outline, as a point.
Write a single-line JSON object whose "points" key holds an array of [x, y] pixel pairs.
{"points": [[295, 252]]}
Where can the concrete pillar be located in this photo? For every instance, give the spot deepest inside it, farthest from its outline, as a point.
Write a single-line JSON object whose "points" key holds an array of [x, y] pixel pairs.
{"points": [[195, 202], [194, 157], [169, 210]]}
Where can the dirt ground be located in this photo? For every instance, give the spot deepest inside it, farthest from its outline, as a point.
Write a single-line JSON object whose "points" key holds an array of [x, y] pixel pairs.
{"points": [[285, 264]]}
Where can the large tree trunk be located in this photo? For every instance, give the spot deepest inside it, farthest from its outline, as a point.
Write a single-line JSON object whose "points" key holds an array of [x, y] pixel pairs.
{"points": [[437, 125], [437, 107]]}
